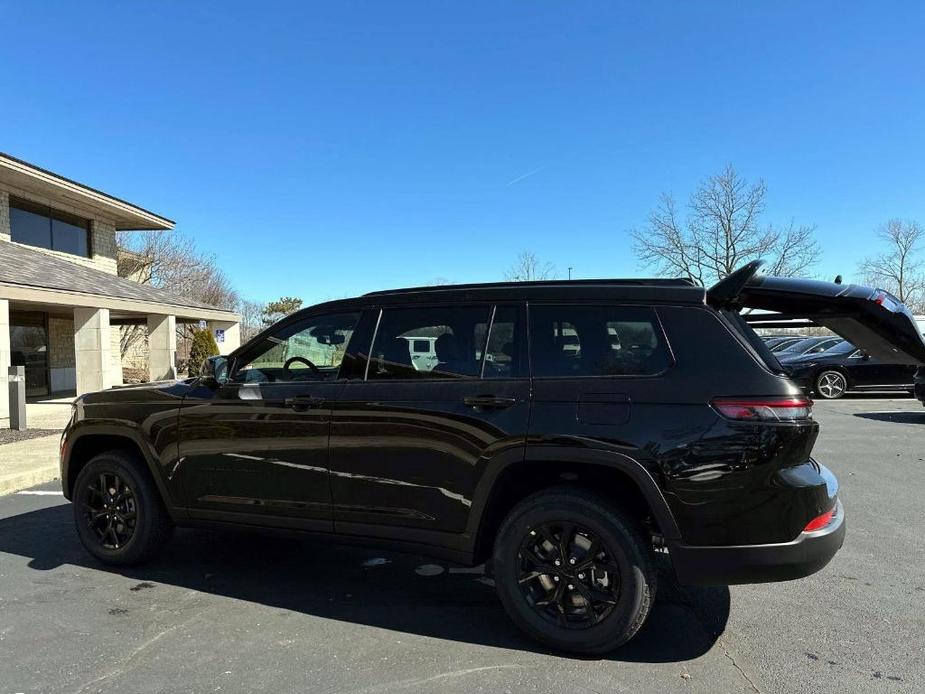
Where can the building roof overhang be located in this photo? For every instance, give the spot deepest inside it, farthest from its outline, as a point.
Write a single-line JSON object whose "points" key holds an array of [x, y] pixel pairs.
{"points": [[30, 179], [34, 276]]}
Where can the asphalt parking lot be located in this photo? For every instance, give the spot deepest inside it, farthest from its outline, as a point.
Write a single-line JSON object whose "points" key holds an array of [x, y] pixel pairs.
{"points": [[244, 613]]}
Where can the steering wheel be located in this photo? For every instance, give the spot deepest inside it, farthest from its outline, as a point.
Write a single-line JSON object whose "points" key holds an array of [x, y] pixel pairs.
{"points": [[305, 361]]}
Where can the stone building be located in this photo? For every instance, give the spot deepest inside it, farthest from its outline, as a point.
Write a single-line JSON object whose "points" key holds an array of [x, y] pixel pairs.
{"points": [[61, 301]]}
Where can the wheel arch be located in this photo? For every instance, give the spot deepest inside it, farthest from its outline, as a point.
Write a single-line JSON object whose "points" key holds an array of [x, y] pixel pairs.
{"points": [[611, 474], [86, 442]]}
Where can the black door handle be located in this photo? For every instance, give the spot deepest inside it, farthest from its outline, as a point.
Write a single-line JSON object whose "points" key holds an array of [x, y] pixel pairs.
{"points": [[303, 402], [488, 401]]}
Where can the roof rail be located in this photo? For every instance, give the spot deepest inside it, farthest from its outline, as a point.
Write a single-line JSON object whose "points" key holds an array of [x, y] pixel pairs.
{"points": [[632, 282]]}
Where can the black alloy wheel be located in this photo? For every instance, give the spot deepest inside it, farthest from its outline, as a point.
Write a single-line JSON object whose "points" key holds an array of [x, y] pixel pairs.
{"points": [[120, 516], [574, 570], [109, 510], [567, 575]]}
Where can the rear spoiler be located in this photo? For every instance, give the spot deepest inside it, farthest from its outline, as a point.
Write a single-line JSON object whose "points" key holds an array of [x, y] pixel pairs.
{"points": [[872, 319]]}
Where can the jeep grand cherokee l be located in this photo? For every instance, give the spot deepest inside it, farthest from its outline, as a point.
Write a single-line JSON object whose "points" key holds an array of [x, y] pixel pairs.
{"points": [[564, 432]]}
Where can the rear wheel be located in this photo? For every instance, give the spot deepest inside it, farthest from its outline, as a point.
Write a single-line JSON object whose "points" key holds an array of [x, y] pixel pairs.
{"points": [[831, 385], [573, 572], [118, 510]]}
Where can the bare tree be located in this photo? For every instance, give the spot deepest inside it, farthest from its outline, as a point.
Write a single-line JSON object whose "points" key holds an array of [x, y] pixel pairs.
{"points": [[899, 269], [722, 231], [170, 260], [529, 268], [251, 313]]}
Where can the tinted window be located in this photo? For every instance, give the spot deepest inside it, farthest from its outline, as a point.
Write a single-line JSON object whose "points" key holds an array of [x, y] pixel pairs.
{"points": [[69, 236], [503, 358], [824, 345], [457, 334], [29, 227], [800, 346], [308, 350], [843, 347], [595, 341], [785, 343], [41, 226]]}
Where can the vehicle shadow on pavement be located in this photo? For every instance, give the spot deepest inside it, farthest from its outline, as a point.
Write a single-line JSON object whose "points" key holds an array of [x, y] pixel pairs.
{"points": [[401, 592], [898, 417]]}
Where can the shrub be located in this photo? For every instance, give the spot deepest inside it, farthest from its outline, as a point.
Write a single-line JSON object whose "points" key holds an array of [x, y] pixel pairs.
{"points": [[202, 348]]}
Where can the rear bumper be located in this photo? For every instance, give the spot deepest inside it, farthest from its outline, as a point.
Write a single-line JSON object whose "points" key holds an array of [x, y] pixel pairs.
{"points": [[698, 565]]}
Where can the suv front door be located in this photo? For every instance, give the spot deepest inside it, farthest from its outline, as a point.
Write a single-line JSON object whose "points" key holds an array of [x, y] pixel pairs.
{"points": [[258, 443]]}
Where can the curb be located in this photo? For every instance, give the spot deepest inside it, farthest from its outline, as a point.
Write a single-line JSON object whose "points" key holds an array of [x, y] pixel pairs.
{"points": [[13, 483]]}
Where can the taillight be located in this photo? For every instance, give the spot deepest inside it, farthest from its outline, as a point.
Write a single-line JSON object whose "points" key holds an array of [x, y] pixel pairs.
{"points": [[765, 409], [820, 521]]}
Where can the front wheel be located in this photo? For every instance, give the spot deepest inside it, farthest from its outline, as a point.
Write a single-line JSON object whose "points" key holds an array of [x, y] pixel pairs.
{"points": [[573, 571], [118, 510], [831, 385]]}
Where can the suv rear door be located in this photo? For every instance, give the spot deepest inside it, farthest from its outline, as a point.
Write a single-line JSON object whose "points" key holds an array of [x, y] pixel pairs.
{"points": [[409, 438], [597, 372], [872, 319]]}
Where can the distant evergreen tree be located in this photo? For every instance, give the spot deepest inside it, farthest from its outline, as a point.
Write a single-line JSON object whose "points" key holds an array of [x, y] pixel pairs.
{"points": [[202, 348], [282, 307]]}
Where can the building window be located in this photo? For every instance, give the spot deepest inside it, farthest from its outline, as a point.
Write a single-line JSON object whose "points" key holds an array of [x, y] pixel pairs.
{"points": [[37, 225]]}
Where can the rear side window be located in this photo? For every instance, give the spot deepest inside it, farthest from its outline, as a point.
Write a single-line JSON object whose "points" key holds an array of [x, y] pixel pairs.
{"points": [[429, 342], [569, 340]]}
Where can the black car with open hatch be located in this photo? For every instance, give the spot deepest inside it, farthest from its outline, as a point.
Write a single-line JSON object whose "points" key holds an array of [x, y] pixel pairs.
{"points": [[562, 433]]}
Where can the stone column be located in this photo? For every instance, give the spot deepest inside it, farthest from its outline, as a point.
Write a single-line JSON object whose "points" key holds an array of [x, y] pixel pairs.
{"points": [[162, 347], [92, 349], [4, 363], [227, 335]]}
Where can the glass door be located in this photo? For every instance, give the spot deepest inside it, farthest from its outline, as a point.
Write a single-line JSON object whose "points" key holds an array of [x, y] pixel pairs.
{"points": [[29, 348]]}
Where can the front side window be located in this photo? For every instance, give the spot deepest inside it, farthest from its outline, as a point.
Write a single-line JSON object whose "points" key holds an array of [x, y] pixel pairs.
{"points": [[307, 350], [454, 337], [824, 345], [577, 341], [37, 225]]}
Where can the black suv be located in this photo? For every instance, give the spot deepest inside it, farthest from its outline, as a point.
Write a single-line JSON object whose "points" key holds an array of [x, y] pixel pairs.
{"points": [[561, 432]]}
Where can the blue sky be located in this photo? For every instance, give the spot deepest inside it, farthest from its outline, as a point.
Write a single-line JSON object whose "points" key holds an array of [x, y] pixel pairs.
{"points": [[327, 149]]}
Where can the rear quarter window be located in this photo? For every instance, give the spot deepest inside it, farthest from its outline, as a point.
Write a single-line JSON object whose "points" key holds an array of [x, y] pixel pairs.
{"points": [[750, 339], [596, 340]]}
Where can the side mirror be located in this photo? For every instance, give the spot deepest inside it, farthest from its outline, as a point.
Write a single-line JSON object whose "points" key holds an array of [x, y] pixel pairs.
{"points": [[214, 370], [865, 356]]}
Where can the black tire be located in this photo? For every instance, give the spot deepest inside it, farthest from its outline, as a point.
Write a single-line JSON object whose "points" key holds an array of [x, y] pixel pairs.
{"points": [[130, 526], [830, 384], [624, 546]]}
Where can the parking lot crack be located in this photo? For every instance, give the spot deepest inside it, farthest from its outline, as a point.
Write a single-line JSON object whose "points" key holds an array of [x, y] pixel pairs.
{"points": [[731, 659]]}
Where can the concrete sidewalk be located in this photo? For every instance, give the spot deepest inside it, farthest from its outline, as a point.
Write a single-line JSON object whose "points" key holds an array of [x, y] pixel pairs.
{"points": [[31, 457], [28, 462]]}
